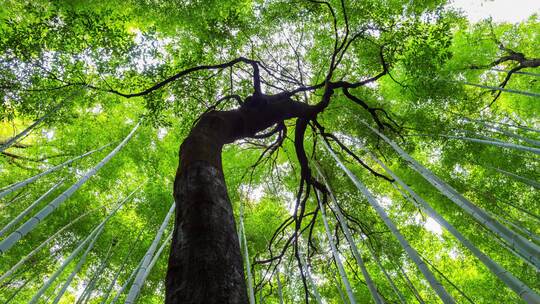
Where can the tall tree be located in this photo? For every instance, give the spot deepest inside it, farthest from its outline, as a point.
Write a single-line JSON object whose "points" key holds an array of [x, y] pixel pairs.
{"points": [[250, 89]]}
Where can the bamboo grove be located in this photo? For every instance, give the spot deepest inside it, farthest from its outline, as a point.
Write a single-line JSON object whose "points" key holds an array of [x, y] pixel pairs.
{"points": [[404, 167]]}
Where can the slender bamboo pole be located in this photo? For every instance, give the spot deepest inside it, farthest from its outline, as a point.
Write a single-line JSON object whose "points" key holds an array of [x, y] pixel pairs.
{"points": [[87, 293], [77, 268], [333, 248], [82, 244], [343, 224], [52, 293], [126, 283], [243, 243], [17, 197], [305, 269], [484, 122], [43, 244], [523, 230], [495, 143], [398, 293], [516, 72], [30, 208], [13, 295], [512, 282], [156, 257], [490, 196], [14, 139], [514, 135], [29, 225], [338, 288], [527, 249], [122, 266], [531, 94], [449, 281], [411, 285], [139, 279], [432, 280], [522, 179], [280, 288], [13, 187]]}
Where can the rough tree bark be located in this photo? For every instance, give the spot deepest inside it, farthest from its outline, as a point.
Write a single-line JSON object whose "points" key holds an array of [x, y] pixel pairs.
{"points": [[205, 262]]}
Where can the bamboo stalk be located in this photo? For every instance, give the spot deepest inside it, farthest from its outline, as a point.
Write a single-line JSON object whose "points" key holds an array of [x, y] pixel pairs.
{"points": [[528, 250], [139, 279], [411, 252], [29, 225]]}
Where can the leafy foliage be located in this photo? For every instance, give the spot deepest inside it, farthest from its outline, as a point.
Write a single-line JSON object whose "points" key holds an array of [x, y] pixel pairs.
{"points": [[80, 54]]}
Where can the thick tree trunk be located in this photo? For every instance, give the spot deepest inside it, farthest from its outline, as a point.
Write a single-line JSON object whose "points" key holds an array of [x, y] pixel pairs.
{"points": [[205, 263]]}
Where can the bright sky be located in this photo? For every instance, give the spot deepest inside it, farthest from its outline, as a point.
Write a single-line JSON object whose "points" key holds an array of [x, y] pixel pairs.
{"points": [[500, 10]]}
